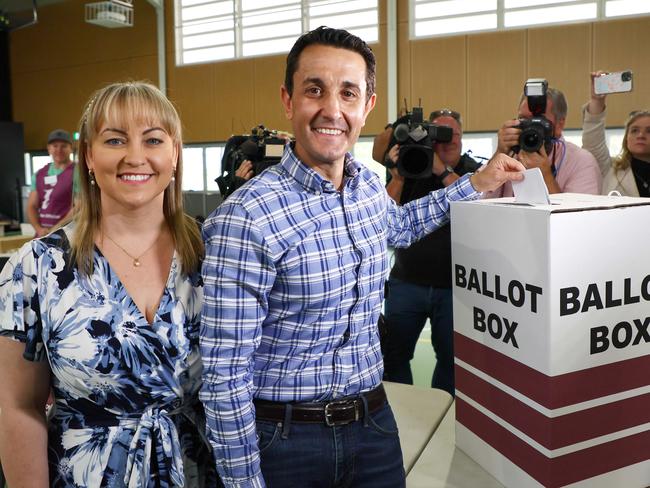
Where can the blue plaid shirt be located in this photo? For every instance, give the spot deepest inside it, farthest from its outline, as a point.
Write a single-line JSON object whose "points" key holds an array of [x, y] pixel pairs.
{"points": [[293, 285]]}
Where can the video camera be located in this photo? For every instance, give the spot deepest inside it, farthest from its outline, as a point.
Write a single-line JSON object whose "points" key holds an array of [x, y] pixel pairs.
{"points": [[536, 130], [416, 139], [262, 147]]}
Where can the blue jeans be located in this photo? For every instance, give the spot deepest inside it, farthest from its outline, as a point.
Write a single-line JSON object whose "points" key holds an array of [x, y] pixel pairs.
{"points": [[361, 454], [407, 309]]}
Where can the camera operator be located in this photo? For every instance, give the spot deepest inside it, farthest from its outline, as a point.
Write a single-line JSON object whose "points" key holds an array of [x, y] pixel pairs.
{"points": [[566, 167], [242, 174], [245, 156], [419, 286]]}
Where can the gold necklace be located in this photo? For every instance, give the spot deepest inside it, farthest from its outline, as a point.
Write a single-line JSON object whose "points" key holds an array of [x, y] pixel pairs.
{"points": [[136, 259]]}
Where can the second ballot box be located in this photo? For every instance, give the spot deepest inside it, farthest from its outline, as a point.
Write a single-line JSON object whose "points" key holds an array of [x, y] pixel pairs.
{"points": [[552, 339]]}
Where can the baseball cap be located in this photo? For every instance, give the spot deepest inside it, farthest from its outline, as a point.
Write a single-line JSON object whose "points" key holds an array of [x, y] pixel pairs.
{"points": [[59, 135]]}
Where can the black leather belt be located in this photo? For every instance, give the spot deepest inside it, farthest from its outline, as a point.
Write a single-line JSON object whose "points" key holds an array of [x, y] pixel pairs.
{"points": [[336, 412]]}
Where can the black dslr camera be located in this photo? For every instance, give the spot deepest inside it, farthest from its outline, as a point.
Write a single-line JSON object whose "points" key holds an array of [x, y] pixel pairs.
{"points": [[416, 139], [536, 130], [262, 147]]}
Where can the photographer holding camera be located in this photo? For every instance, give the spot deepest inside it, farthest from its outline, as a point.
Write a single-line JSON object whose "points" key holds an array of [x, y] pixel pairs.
{"points": [[535, 138], [419, 286], [248, 155]]}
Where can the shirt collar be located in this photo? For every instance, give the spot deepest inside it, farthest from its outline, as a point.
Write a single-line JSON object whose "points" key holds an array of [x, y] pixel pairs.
{"points": [[310, 179]]}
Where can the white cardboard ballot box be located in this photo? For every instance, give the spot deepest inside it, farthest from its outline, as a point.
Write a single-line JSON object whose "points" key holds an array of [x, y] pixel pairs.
{"points": [[552, 339]]}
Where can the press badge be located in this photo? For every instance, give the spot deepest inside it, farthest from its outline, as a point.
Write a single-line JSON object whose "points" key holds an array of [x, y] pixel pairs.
{"points": [[50, 180]]}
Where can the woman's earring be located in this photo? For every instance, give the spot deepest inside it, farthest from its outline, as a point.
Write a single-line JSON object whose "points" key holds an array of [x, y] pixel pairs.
{"points": [[174, 175], [91, 175]]}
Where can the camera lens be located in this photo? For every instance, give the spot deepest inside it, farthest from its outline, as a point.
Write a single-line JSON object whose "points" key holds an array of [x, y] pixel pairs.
{"points": [[415, 161], [531, 139], [626, 75]]}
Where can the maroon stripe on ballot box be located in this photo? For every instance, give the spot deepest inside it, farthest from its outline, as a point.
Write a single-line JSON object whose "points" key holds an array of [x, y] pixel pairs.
{"points": [[562, 470], [560, 431], [554, 391]]}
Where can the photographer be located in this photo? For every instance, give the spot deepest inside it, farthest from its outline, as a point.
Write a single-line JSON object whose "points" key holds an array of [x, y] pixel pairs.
{"points": [[420, 281], [566, 167], [629, 172], [242, 174]]}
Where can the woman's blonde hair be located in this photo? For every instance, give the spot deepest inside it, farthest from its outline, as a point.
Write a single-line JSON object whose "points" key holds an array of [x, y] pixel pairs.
{"points": [[125, 102], [624, 158]]}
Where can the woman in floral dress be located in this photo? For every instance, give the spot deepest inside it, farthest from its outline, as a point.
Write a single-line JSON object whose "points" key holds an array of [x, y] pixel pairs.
{"points": [[106, 312]]}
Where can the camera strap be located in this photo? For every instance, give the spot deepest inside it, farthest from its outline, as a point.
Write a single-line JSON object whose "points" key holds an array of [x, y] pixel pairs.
{"points": [[555, 168]]}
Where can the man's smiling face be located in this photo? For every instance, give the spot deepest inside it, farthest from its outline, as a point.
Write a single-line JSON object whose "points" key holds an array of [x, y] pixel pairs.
{"points": [[328, 106]]}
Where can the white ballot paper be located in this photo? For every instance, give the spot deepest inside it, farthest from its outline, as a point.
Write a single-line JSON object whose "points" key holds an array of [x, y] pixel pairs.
{"points": [[532, 189]]}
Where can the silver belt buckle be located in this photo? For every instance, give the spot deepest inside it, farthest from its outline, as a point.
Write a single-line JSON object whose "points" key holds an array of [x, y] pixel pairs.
{"points": [[330, 408]]}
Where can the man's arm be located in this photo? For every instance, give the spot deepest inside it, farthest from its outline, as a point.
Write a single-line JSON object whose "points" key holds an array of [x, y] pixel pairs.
{"points": [[238, 275], [414, 220], [439, 169], [496, 172], [380, 145], [32, 213], [593, 127], [594, 138], [395, 186], [508, 136]]}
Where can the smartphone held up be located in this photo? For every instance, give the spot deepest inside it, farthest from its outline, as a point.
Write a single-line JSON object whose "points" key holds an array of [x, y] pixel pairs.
{"points": [[617, 82]]}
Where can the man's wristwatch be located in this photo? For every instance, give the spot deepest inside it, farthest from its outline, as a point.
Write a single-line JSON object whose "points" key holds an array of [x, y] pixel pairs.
{"points": [[448, 171]]}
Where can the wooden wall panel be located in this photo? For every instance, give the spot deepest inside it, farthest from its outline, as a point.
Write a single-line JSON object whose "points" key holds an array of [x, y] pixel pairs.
{"points": [[62, 38], [439, 74], [619, 46], [568, 72], [54, 98], [234, 86], [376, 121], [192, 90], [57, 63], [496, 72], [244, 93], [269, 77], [404, 73]]}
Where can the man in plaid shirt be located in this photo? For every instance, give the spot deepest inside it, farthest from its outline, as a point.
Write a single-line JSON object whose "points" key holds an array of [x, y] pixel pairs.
{"points": [[293, 285]]}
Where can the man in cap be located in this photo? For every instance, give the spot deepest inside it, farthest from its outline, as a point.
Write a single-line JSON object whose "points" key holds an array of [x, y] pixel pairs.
{"points": [[50, 201]]}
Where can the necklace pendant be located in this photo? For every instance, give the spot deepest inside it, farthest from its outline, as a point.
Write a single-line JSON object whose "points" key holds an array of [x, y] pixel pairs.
{"points": [[136, 263]]}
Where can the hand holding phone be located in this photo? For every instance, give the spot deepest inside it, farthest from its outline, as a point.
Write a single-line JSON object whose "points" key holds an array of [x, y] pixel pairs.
{"points": [[617, 82]]}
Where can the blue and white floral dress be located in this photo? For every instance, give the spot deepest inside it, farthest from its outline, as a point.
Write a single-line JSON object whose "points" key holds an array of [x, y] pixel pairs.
{"points": [[126, 391]]}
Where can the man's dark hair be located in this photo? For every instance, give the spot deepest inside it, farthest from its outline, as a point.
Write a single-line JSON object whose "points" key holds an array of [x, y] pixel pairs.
{"points": [[327, 36]]}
